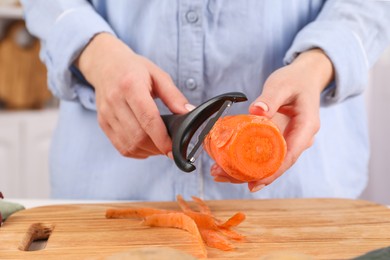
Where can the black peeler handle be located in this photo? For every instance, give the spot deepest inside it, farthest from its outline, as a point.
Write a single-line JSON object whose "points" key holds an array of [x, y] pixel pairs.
{"points": [[181, 128]]}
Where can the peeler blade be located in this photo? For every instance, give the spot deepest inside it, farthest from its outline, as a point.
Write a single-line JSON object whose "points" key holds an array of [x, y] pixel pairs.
{"points": [[195, 152], [182, 128]]}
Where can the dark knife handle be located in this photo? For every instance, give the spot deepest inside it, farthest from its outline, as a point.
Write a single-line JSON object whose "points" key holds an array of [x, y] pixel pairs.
{"points": [[181, 128]]}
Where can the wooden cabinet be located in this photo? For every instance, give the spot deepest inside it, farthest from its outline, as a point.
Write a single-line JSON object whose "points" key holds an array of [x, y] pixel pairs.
{"points": [[24, 150]]}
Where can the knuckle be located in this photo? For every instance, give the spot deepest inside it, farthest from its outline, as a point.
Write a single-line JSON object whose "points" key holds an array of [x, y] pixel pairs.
{"points": [[310, 143], [112, 97], [148, 120], [102, 120], [140, 138], [129, 150], [127, 82], [292, 159], [316, 124], [313, 125], [123, 151], [120, 147], [132, 149]]}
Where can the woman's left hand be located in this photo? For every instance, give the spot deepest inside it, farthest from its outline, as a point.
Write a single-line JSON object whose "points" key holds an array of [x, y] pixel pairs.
{"points": [[291, 99]]}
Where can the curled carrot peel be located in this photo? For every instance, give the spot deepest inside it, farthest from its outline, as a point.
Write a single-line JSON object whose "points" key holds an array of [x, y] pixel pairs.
{"points": [[234, 221], [206, 228], [203, 221], [183, 204], [203, 208], [246, 147], [177, 220], [216, 239], [134, 212], [231, 234]]}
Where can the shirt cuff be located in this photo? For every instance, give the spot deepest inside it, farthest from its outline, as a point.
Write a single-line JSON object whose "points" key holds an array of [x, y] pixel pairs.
{"points": [[72, 31], [344, 49]]}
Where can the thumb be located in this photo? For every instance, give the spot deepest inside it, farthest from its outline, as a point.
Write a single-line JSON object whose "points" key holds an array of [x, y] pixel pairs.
{"points": [[166, 90], [269, 102]]}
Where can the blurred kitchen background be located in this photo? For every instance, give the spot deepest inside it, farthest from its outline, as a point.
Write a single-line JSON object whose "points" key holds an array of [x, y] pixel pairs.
{"points": [[28, 114]]}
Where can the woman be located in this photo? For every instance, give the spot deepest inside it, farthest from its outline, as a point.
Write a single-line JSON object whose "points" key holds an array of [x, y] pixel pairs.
{"points": [[112, 63]]}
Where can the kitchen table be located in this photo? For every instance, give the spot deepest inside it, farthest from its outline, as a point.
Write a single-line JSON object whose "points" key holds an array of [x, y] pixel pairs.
{"points": [[322, 228]]}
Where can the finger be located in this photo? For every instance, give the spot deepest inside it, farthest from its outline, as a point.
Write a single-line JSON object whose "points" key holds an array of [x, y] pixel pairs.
{"points": [[118, 144], [148, 116], [270, 100], [166, 90], [113, 129], [119, 132], [302, 128], [299, 136], [221, 176], [255, 186], [122, 144], [132, 133]]}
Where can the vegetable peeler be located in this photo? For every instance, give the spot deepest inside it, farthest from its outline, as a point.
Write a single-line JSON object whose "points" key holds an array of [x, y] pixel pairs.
{"points": [[181, 128]]}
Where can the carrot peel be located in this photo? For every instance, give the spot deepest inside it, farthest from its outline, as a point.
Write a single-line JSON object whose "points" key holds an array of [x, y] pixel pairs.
{"points": [[214, 239], [206, 228], [177, 220], [134, 212], [203, 208], [234, 221]]}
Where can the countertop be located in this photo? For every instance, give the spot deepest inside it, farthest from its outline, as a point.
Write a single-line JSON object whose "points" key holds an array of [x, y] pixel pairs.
{"points": [[330, 229]]}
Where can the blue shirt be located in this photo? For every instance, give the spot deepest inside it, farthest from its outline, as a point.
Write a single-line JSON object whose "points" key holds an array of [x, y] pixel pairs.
{"points": [[210, 47]]}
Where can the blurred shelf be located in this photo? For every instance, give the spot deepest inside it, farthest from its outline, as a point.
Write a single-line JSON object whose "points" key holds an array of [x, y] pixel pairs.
{"points": [[11, 12]]}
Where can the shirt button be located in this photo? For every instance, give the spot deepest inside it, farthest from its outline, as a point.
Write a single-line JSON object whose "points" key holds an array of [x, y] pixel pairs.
{"points": [[91, 100], [190, 84], [192, 17]]}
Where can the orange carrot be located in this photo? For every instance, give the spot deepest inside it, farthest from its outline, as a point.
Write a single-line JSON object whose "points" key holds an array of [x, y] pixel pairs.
{"points": [[134, 212], [234, 221], [202, 206], [202, 220], [231, 234], [177, 220], [183, 204], [247, 147], [213, 239]]}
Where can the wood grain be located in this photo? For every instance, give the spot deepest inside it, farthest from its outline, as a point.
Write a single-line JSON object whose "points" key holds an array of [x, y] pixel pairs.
{"points": [[321, 228]]}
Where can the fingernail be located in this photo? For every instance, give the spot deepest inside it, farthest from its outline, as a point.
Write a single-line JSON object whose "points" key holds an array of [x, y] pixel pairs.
{"points": [[189, 107], [261, 105], [170, 155], [257, 187], [213, 167], [219, 178]]}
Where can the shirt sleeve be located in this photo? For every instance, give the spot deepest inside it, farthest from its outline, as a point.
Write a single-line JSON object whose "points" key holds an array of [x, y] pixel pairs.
{"points": [[352, 33], [64, 28]]}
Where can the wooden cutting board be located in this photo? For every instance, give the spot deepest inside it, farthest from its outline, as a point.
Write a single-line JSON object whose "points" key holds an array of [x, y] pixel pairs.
{"points": [[321, 228]]}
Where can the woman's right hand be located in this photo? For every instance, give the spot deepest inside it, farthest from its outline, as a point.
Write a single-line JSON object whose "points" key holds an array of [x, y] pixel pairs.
{"points": [[125, 85]]}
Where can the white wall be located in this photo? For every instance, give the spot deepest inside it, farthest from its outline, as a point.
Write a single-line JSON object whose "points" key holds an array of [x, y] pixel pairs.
{"points": [[378, 107]]}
